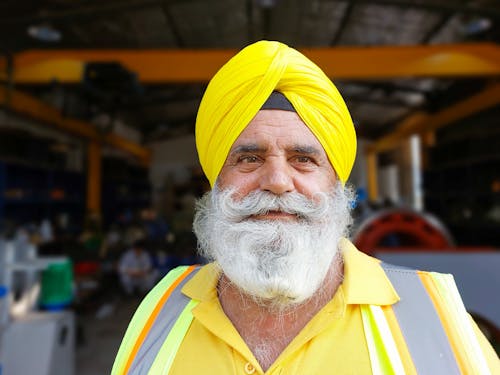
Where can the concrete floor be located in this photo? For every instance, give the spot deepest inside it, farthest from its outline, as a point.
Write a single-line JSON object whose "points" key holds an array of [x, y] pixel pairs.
{"points": [[101, 332]]}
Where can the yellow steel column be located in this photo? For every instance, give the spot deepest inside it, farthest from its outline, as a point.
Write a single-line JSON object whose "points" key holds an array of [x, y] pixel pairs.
{"points": [[371, 162], [94, 178], [428, 141]]}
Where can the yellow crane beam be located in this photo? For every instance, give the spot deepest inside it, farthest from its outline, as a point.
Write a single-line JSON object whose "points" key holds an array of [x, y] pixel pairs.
{"points": [[422, 122], [43, 113], [175, 66], [29, 106], [425, 123]]}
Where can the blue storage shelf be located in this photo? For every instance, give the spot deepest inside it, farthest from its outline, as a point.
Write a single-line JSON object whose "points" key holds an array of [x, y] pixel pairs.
{"points": [[125, 189], [29, 194]]}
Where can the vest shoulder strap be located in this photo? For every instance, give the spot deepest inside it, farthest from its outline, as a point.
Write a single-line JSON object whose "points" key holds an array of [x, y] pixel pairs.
{"points": [[152, 323], [420, 324], [434, 322]]}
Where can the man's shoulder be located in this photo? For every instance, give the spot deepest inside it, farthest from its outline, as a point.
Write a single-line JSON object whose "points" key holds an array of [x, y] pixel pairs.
{"points": [[185, 271], [346, 246], [390, 267], [179, 271]]}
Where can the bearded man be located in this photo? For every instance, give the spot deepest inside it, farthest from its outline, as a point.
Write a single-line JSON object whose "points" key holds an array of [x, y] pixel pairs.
{"points": [[286, 292]]}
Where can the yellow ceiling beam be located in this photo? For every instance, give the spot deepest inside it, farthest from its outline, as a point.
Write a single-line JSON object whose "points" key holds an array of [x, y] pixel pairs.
{"points": [[174, 66], [29, 106], [46, 71], [423, 122]]}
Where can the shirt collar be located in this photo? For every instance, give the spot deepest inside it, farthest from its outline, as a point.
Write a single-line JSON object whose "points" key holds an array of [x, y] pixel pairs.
{"points": [[365, 282], [203, 285]]}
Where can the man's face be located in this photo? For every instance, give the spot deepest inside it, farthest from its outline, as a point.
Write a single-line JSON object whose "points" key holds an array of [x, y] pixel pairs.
{"points": [[275, 217], [277, 153]]}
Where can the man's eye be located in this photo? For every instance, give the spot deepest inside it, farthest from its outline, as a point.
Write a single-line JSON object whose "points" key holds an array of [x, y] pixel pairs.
{"points": [[248, 159], [304, 159]]}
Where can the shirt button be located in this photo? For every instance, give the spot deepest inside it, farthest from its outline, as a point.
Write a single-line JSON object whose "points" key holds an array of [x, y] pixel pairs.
{"points": [[249, 369]]}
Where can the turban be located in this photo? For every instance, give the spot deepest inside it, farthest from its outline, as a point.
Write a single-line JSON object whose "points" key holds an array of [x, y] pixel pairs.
{"points": [[240, 88]]}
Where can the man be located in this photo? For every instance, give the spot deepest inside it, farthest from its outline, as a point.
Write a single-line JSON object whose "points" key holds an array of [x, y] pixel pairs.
{"points": [[287, 293]]}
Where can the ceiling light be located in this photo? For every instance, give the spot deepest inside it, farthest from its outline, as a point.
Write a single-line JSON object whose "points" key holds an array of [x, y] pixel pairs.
{"points": [[266, 3], [44, 33], [477, 26]]}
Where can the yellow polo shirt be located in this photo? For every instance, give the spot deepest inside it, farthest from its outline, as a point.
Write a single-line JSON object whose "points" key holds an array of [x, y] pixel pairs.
{"points": [[333, 342]]}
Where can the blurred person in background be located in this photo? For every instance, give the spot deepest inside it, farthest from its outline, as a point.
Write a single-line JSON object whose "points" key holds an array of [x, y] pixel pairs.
{"points": [[136, 271]]}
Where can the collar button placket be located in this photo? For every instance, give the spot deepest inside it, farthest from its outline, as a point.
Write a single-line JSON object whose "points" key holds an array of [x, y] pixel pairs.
{"points": [[249, 368]]}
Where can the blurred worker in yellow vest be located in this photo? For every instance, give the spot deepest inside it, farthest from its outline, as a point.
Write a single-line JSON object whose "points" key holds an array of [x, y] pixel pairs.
{"points": [[286, 292]]}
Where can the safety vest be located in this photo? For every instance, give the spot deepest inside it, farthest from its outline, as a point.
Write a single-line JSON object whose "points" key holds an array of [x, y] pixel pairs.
{"points": [[430, 317]]}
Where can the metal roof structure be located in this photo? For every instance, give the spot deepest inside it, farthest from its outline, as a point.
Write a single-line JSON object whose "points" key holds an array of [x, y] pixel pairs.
{"points": [[162, 108]]}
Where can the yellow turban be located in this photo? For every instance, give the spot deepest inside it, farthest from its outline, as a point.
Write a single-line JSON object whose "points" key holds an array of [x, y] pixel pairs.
{"points": [[240, 88]]}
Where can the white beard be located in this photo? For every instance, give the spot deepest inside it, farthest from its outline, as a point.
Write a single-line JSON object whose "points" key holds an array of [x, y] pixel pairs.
{"points": [[282, 262]]}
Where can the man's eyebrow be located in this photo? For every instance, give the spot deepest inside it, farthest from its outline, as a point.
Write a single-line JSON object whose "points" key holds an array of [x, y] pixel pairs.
{"points": [[253, 147], [306, 150]]}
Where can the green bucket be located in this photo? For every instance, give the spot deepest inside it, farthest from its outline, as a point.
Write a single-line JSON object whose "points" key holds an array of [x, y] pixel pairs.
{"points": [[57, 286]]}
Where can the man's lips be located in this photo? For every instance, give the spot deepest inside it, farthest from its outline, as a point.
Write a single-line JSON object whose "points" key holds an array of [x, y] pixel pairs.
{"points": [[275, 215]]}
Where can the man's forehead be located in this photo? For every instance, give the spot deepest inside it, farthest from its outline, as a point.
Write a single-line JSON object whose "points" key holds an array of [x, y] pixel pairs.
{"points": [[282, 127]]}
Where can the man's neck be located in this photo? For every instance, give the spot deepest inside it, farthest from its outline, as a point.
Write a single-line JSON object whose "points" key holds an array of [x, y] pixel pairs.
{"points": [[266, 329]]}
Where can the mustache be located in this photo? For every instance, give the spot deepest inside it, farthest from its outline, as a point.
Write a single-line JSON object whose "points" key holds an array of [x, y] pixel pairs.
{"points": [[262, 202]]}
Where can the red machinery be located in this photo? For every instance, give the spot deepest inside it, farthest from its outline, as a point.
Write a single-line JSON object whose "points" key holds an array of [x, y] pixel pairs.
{"points": [[401, 228]]}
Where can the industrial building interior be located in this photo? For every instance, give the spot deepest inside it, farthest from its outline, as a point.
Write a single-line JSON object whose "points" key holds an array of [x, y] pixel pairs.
{"points": [[98, 102]]}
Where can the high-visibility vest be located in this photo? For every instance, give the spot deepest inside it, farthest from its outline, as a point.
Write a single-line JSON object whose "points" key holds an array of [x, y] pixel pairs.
{"points": [[430, 317]]}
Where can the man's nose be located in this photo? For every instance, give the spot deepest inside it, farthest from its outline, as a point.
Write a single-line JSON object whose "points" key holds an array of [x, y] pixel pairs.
{"points": [[277, 177]]}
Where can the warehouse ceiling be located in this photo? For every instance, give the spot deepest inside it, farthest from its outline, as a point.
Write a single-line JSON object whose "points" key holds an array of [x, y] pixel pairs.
{"points": [[113, 94]]}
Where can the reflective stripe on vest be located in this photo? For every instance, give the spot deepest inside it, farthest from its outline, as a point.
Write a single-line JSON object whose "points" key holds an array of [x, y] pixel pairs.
{"points": [[166, 331], [384, 356], [168, 350], [420, 324], [456, 322], [417, 314], [422, 320]]}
